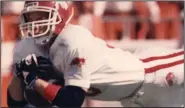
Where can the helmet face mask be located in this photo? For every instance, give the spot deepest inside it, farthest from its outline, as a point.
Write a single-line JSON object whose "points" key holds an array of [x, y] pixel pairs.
{"points": [[38, 21], [42, 20], [35, 28]]}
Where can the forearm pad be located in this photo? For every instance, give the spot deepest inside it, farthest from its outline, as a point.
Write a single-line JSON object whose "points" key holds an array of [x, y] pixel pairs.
{"points": [[70, 96], [12, 103]]}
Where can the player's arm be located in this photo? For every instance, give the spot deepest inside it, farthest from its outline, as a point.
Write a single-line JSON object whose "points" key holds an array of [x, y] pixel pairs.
{"points": [[68, 96], [15, 96], [15, 93]]}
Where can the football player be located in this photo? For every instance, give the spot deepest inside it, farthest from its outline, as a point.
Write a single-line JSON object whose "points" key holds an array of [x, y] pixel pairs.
{"points": [[90, 67], [22, 49]]}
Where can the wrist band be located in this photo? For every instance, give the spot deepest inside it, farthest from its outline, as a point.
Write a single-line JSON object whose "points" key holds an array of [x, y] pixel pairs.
{"points": [[51, 91]]}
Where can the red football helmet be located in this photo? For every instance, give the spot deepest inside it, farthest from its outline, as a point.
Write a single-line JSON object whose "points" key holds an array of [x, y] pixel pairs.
{"points": [[40, 18]]}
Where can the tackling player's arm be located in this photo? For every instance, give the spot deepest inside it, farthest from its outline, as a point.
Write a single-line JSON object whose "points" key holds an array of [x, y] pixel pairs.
{"points": [[15, 93], [68, 96]]}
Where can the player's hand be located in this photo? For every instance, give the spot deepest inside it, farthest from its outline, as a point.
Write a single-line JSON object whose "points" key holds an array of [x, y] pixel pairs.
{"points": [[46, 68], [26, 64], [29, 63], [27, 70], [44, 64], [18, 71]]}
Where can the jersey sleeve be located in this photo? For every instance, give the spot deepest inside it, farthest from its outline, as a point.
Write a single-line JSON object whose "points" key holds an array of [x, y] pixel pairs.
{"points": [[78, 72]]}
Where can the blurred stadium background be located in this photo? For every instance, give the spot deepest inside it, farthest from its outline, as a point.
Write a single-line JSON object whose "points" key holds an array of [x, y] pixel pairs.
{"points": [[128, 25]]}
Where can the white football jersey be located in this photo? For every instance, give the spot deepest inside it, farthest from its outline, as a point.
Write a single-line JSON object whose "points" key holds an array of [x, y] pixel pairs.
{"points": [[89, 62]]}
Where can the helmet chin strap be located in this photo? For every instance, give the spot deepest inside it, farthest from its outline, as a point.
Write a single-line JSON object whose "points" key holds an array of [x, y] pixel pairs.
{"points": [[29, 33], [48, 38], [48, 43], [45, 41]]}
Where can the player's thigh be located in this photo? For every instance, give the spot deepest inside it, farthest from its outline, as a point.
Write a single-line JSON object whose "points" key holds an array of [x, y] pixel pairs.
{"points": [[156, 96], [152, 95]]}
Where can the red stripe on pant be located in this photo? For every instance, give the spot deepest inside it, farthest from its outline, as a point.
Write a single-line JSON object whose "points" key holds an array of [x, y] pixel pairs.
{"points": [[163, 66], [162, 57]]}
